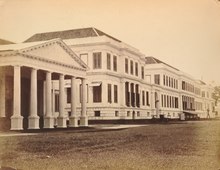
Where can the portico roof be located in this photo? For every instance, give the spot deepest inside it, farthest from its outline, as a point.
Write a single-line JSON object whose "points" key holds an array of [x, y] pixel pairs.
{"points": [[53, 55]]}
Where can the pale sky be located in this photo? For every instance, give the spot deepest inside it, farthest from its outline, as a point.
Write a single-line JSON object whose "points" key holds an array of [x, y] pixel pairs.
{"points": [[182, 33]]}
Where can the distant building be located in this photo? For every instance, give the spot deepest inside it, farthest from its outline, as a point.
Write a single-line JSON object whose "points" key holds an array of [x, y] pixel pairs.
{"points": [[5, 42], [120, 82]]}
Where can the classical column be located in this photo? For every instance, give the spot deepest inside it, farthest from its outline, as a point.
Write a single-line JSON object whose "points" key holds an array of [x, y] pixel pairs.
{"points": [[152, 102], [129, 95], [48, 119], [62, 118], [2, 94], [83, 118], [122, 92], [17, 119], [33, 119], [73, 120]]}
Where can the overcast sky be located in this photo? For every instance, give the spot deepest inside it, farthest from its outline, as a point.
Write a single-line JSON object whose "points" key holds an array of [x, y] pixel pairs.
{"points": [[182, 33]]}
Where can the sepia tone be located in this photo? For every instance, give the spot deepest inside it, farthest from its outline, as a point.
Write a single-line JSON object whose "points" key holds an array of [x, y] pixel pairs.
{"points": [[78, 91]]}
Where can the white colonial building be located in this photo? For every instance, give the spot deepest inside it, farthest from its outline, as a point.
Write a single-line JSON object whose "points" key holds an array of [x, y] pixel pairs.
{"points": [[86, 74]]}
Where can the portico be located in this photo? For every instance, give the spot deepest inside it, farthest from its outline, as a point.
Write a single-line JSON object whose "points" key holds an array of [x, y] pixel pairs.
{"points": [[25, 70]]}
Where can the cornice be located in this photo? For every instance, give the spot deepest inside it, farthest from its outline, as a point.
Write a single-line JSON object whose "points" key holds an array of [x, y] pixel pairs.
{"points": [[119, 48], [50, 61]]}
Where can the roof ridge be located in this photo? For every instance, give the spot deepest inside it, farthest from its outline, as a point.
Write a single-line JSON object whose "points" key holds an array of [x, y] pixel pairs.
{"points": [[94, 29]]}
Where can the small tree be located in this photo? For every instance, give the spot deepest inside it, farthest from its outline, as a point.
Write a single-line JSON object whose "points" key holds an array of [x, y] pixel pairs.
{"points": [[216, 94]]}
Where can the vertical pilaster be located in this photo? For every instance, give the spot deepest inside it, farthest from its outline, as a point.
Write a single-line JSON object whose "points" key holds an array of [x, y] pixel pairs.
{"points": [[33, 119], [2, 93], [122, 93], [48, 119], [83, 118], [73, 121], [61, 119], [17, 119]]}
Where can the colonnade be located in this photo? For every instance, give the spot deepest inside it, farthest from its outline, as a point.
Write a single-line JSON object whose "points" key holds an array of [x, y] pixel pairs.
{"points": [[33, 118], [132, 95]]}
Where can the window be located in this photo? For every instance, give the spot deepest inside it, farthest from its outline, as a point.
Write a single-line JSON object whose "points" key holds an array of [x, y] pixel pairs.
{"points": [[84, 58], [143, 98], [97, 94], [169, 82], [183, 85], [147, 98], [116, 113], [108, 61], [138, 114], [131, 67], [176, 102], [68, 95], [127, 94], [57, 102], [177, 84], [115, 63], [97, 60], [170, 102], [115, 94], [164, 80], [142, 72], [172, 105], [157, 79], [136, 69], [162, 100], [126, 65], [109, 93], [97, 114], [165, 101]]}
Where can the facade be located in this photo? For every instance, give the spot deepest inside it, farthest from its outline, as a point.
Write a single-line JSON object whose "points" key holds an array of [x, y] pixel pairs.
{"points": [[177, 94], [88, 74]]}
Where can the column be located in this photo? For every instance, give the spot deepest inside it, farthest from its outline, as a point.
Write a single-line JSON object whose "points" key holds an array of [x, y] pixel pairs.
{"points": [[129, 94], [131, 100], [33, 119], [121, 96], [61, 118], [83, 118], [2, 93], [152, 102], [48, 119], [73, 120], [141, 97], [122, 93], [17, 119], [180, 103], [134, 95]]}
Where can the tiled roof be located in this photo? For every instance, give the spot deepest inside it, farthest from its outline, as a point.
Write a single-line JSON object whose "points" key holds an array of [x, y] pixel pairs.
{"points": [[69, 34], [4, 42], [153, 60]]}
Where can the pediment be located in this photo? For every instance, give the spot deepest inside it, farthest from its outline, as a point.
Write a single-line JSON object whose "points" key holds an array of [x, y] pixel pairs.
{"points": [[55, 50]]}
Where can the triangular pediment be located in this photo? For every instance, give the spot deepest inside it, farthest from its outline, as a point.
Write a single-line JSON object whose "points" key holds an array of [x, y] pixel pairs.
{"points": [[55, 50]]}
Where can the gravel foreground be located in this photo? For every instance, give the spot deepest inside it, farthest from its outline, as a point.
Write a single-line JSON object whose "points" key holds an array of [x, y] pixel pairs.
{"points": [[189, 145]]}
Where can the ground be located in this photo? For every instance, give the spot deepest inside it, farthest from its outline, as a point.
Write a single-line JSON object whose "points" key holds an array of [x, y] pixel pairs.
{"points": [[186, 145]]}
